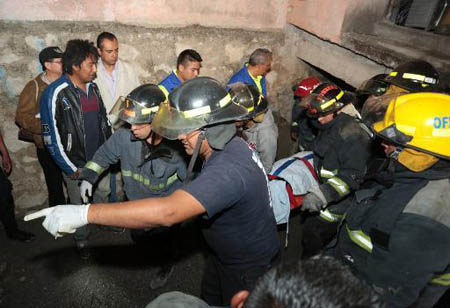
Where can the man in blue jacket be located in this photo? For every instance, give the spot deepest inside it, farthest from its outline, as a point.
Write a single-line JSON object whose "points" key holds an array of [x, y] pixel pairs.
{"points": [[189, 63], [255, 70], [74, 123]]}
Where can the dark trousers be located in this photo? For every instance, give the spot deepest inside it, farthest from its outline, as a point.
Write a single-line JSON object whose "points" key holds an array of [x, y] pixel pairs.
{"points": [[220, 282], [7, 215], [167, 239], [53, 178], [316, 234]]}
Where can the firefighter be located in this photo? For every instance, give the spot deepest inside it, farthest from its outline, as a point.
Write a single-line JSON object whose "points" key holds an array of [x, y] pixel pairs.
{"points": [[396, 235], [410, 77], [300, 125], [151, 166], [341, 150]]}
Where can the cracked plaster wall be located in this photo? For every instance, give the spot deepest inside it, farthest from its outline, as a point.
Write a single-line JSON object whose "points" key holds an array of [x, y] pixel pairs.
{"points": [[153, 52]]}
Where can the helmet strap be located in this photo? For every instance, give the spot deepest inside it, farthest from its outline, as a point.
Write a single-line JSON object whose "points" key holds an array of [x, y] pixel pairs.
{"points": [[396, 153], [194, 156]]}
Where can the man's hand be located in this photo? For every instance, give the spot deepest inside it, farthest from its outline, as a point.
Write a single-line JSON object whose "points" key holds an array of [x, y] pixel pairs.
{"points": [[85, 191], [314, 201], [7, 164], [75, 175], [62, 219]]}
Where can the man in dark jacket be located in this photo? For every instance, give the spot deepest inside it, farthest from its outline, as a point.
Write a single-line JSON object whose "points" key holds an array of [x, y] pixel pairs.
{"points": [[74, 123]]}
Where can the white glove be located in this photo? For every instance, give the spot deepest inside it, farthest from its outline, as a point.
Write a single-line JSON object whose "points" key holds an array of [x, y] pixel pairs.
{"points": [[85, 191], [62, 219], [314, 201]]}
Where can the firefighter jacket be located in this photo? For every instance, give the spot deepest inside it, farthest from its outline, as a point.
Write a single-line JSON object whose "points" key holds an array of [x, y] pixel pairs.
{"points": [[147, 171], [63, 123], [300, 124], [342, 150], [398, 237]]}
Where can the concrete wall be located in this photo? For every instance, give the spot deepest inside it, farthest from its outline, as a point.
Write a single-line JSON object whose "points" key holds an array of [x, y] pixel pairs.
{"points": [[362, 27], [342, 63], [245, 14], [153, 52], [324, 18]]}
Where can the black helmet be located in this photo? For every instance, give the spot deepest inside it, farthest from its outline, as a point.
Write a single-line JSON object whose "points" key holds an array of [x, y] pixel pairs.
{"points": [[414, 76], [249, 97], [140, 105], [197, 103], [374, 86], [325, 99]]}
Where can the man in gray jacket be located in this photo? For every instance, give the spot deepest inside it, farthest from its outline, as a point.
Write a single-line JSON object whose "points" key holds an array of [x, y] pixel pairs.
{"points": [[258, 128], [151, 166]]}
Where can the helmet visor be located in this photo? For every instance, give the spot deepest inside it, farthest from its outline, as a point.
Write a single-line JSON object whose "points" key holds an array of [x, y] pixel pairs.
{"points": [[387, 129], [375, 108], [132, 111], [373, 87], [170, 122]]}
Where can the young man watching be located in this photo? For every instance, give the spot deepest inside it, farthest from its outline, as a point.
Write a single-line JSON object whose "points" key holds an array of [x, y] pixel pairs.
{"points": [[74, 123], [115, 77], [189, 63]]}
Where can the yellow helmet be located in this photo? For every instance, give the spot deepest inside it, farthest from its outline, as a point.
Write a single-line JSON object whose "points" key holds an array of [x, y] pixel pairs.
{"points": [[419, 121]]}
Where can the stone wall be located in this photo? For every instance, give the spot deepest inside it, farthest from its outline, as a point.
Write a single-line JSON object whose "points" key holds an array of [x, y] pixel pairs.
{"points": [[152, 50]]}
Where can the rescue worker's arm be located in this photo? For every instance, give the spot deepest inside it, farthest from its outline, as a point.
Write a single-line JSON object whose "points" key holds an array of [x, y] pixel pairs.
{"points": [[108, 154], [353, 155], [297, 115], [151, 212], [416, 263]]}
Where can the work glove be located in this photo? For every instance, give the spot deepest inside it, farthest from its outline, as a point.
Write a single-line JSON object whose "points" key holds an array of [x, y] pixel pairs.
{"points": [[314, 201], [62, 219], [85, 191]]}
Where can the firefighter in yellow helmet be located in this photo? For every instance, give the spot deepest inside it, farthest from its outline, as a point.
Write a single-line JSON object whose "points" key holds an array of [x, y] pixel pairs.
{"points": [[410, 77], [396, 234]]}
